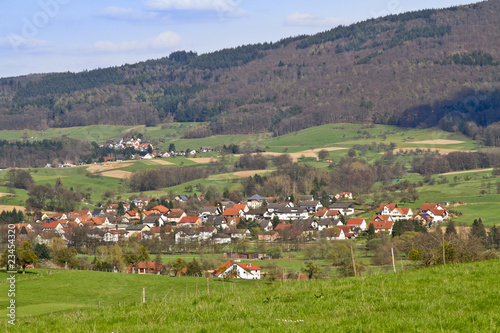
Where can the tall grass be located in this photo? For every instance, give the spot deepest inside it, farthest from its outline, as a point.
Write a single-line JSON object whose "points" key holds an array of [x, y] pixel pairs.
{"points": [[454, 298]]}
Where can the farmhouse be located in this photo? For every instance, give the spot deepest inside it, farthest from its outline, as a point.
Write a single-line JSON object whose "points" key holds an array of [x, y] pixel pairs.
{"points": [[146, 268], [238, 270]]}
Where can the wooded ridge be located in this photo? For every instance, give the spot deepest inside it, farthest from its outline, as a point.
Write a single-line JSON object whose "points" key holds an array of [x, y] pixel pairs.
{"points": [[410, 69]]}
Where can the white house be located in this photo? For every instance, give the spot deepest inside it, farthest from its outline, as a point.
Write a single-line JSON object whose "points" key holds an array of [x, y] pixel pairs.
{"points": [[246, 271]]}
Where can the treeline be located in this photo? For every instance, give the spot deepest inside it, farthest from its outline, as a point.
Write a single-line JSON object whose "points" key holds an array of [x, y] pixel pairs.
{"points": [[62, 83], [479, 107], [154, 179], [292, 179], [454, 161], [59, 198], [11, 217], [37, 154]]}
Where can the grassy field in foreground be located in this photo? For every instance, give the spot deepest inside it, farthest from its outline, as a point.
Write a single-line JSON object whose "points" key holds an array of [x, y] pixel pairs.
{"points": [[453, 298]]}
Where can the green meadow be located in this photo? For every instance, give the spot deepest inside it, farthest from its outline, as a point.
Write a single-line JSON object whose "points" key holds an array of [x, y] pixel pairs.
{"points": [[472, 195], [451, 298]]}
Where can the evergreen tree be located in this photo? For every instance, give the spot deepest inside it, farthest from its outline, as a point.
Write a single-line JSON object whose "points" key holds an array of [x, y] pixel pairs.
{"points": [[371, 231], [276, 221], [42, 251], [450, 229], [493, 240], [478, 231], [121, 209]]}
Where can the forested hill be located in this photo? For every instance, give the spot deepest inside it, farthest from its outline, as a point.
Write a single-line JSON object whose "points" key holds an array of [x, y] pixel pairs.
{"points": [[412, 69]]}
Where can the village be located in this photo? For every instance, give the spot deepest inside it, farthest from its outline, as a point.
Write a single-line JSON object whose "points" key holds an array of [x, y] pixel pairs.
{"points": [[274, 221]]}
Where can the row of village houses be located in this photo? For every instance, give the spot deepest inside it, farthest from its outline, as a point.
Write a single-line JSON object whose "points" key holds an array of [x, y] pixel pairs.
{"points": [[138, 146], [220, 224]]}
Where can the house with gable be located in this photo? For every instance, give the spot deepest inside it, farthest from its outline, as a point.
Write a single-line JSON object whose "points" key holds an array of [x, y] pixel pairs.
{"points": [[328, 224], [205, 212], [175, 215], [335, 233], [311, 206], [235, 211], [382, 223], [255, 201], [275, 206], [438, 212], [55, 226], [343, 195], [232, 269], [357, 224], [269, 236], [326, 213], [345, 208], [190, 221], [397, 213], [292, 213], [146, 268]]}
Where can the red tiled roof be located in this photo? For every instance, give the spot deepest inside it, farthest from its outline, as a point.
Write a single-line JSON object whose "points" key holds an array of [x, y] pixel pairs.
{"points": [[321, 212], [189, 219], [283, 226], [390, 206], [162, 209], [232, 211], [51, 225], [428, 206], [404, 210], [175, 213], [355, 221], [240, 206], [381, 221]]}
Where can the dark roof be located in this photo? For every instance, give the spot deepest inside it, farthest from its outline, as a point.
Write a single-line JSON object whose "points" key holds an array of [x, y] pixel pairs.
{"points": [[341, 205], [256, 197], [138, 227]]}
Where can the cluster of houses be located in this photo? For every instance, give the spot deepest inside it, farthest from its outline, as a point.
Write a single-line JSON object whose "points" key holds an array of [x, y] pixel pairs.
{"points": [[222, 224], [307, 220], [122, 143], [138, 146]]}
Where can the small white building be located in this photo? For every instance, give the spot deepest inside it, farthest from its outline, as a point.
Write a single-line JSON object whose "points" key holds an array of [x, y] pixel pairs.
{"points": [[247, 271]]}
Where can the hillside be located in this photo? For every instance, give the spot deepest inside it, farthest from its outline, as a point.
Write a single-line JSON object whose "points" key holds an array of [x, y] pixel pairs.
{"points": [[409, 69], [452, 298]]}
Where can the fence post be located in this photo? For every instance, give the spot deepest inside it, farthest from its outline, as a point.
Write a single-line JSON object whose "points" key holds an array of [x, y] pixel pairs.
{"points": [[393, 263], [143, 295], [353, 262]]}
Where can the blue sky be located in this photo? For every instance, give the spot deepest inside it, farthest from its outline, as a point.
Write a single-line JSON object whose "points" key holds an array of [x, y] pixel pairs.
{"points": [[39, 36]]}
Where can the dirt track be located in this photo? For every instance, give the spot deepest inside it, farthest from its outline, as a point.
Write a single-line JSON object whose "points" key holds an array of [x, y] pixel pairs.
{"points": [[465, 171], [117, 174], [162, 162], [10, 208], [202, 160], [107, 166], [438, 142], [249, 173]]}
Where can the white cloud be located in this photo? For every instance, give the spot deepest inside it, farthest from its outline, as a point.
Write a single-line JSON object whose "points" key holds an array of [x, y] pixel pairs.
{"points": [[120, 13], [302, 19], [164, 40], [20, 43], [227, 7]]}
